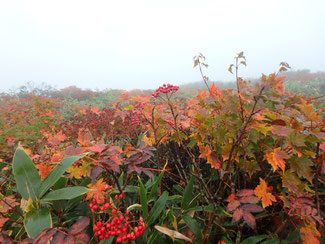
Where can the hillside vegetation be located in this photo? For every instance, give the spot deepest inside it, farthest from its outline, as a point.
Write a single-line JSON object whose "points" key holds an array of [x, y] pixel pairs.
{"points": [[239, 162]]}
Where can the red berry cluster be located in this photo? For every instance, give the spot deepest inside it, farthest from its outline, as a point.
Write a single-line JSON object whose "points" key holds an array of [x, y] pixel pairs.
{"points": [[165, 89], [118, 223], [135, 117]]}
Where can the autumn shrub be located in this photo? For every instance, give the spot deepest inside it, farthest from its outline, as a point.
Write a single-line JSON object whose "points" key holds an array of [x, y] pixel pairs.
{"points": [[242, 165]]}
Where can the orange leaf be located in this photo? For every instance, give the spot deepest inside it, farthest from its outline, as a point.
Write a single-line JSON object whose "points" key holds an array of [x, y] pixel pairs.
{"points": [[43, 170], [276, 159], [97, 191], [322, 146], [309, 234], [261, 191]]}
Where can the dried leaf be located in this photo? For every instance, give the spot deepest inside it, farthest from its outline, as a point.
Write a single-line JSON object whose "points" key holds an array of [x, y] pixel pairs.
{"points": [[172, 233]]}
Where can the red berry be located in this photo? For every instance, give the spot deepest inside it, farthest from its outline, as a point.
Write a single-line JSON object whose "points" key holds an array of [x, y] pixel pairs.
{"points": [[91, 205], [116, 196], [102, 208], [99, 223], [120, 196], [94, 201], [114, 211], [107, 205], [118, 239], [95, 207]]}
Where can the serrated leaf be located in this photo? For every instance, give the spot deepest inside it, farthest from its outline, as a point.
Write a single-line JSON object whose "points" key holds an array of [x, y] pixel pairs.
{"points": [[261, 191], [302, 167]]}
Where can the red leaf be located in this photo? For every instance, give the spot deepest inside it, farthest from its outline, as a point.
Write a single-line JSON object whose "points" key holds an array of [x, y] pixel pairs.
{"points": [[250, 220], [45, 236], [233, 205], [95, 148], [68, 240], [58, 238], [231, 197], [110, 164], [250, 199], [245, 193], [322, 146], [238, 214], [281, 130], [82, 238], [79, 226], [73, 151], [253, 208]]}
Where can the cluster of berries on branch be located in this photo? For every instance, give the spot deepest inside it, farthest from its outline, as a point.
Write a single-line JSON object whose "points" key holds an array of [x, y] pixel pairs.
{"points": [[119, 223], [165, 89], [135, 117]]}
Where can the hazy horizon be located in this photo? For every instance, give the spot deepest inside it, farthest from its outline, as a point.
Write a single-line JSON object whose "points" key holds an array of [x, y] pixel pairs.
{"points": [[143, 44]]}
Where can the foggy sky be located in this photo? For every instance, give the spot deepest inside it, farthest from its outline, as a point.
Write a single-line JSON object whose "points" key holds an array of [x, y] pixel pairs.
{"points": [[143, 44]]}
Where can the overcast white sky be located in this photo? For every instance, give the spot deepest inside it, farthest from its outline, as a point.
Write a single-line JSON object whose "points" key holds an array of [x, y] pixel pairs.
{"points": [[143, 44]]}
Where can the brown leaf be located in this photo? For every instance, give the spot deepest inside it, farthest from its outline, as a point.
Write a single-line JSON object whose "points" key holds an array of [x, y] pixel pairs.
{"points": [[95, 172], [172, 233], [253, 208], [79, 226], [250, 220], [279, 122]]}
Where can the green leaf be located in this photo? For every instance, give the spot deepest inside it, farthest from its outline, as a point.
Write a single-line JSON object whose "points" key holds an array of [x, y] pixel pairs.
{"points": [[65, 193], [56, 173], [156, 184], [36, 221], [61, 183], [157, 208], [254, 239], [143, 199], [26, 176], [194, 226], [302, 167], [188, 196], [273, 240]]}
